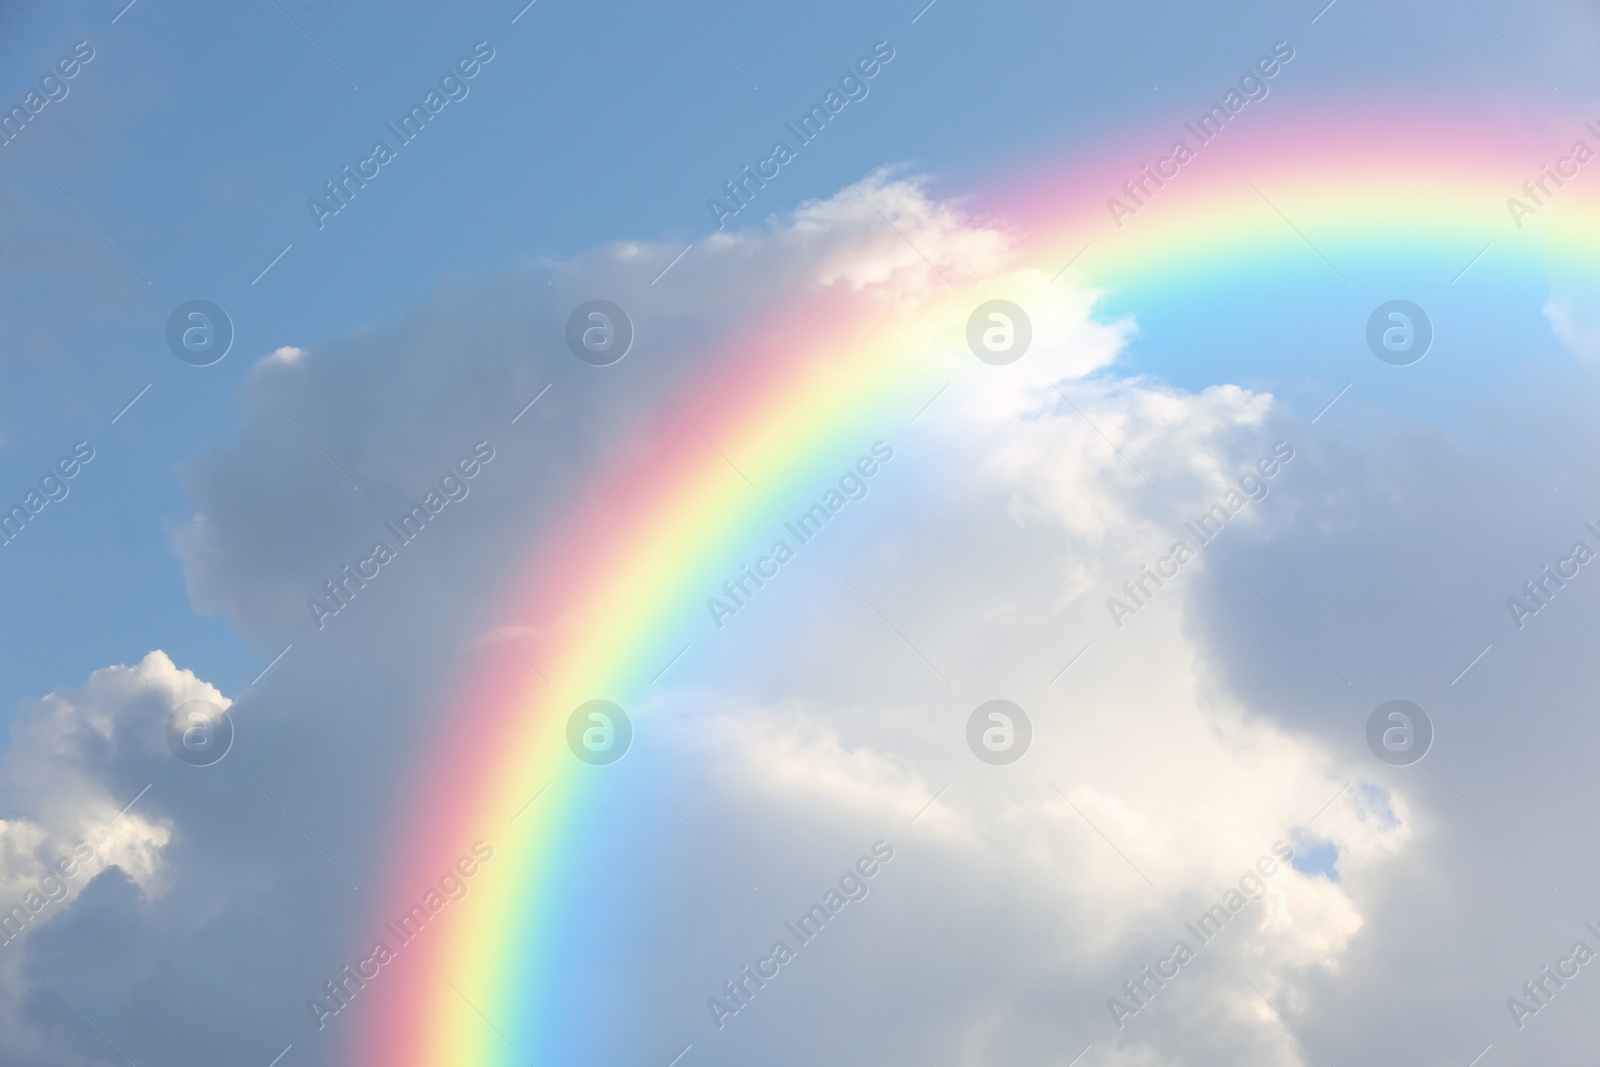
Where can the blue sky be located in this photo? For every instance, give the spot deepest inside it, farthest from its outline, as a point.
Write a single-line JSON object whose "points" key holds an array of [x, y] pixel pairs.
{"points": [[178, 167]]}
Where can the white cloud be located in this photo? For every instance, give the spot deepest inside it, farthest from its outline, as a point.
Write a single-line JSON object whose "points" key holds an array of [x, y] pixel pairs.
{"points": [[66, 824], [1178, 749], [53, 775], [1142, 765], [287, 356]]}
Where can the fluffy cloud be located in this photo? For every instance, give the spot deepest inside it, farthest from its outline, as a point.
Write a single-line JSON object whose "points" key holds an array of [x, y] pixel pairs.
{"points": [[1147, 792], [67, 783], [56, 774], [1175, 752], [1045, 479]]}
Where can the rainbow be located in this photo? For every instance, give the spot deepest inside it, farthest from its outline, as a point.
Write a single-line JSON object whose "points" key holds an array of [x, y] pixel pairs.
{"points": [[1349, 204]]}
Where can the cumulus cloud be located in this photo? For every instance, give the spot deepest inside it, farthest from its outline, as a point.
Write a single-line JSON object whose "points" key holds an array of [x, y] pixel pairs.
{"points": [[72, 811], [1173, 747], [1149, 789], [1046, 480], [1033, 472], [55, 775]]}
